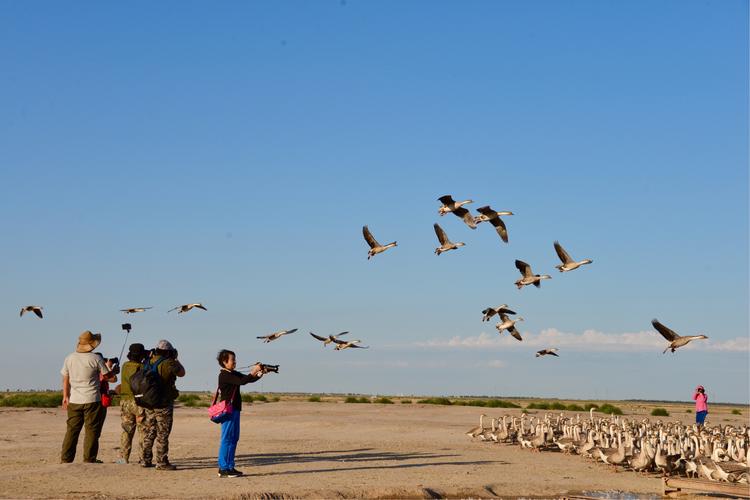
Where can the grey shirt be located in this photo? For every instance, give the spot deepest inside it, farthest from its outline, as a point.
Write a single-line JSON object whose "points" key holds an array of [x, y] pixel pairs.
{"points": [[84, 368]]}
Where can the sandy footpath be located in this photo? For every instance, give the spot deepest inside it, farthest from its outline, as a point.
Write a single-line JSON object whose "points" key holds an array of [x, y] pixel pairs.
{"points": [[300, 449]]}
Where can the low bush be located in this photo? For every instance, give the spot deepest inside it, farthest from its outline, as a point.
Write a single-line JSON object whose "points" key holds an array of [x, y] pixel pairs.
{"points": [[659, 412], [383, 401], [487, 403], [538, 406], [588, 406], [688, 411], [188, 398], [575, 407], [435, 401], [353, 399], [609, 409], [314, 399], [33, 400], [275, 399], [736, 412], [406, 401]]}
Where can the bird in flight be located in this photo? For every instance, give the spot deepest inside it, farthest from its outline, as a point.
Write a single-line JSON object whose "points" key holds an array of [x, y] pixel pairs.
{"points": [[445, 243], [341, 345], [186, 307], [491, 311], [276, 335], [528, 277], [675, 340], [493, 217], [545, 352], [510, 325], [327, 340], [568, 264], [134, 310], [375, 247], [35, 309], [450, 205]]}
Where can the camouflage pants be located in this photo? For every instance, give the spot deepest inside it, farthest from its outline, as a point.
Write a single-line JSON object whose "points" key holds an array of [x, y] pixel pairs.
{"points": [[157, 426], [132, 417]]}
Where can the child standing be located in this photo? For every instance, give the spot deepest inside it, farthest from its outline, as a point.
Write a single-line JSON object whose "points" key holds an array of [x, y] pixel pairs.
{"points": [[701, 405]]}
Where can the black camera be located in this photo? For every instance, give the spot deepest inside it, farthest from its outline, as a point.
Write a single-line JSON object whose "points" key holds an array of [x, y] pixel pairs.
{"points": [[113, 361], [268, 368], [127, 327]]}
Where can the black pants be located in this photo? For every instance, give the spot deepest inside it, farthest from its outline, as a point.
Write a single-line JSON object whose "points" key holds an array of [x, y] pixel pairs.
{"points": [[92, 416]]}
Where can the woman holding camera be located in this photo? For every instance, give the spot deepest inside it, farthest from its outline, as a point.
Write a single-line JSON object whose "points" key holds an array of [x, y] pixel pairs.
{"points": [[230, 381], [701, 405]]}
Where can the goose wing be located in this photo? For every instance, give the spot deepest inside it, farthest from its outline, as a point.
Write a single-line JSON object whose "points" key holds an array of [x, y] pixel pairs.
{"points": [[199, 306], [466, 216], [174, 309], [504, 309], [513, 331], [524, 268], [564, 257], [499, 225], [442, 237], [322, 339], [665, 332], [341, 341], [446, 199], [38, 311], [369, 238], [23, 310], [486, 210], [287, 332], [488, 313], [357, 346]]}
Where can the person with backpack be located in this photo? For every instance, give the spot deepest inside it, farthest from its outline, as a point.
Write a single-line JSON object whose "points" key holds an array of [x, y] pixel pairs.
{"points": [[82, 397], [131, 414], [158, 419], [230, 381]]}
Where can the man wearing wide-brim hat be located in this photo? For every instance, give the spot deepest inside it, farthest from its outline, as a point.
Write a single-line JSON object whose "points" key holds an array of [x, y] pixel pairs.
{"points": [[82, 397]]}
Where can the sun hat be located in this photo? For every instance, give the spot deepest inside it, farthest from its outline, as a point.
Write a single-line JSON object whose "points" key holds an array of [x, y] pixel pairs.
{"points": [[164, 345], [88, 341]]}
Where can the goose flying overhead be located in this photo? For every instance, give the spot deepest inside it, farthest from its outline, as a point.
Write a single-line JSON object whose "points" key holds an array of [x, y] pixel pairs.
{"points": [[35, 309], [341, 345], [450, 205], [445, 243], [186, 307], [276, 335], [491, 311], [528, 277], [675, 341], [375, 247], [327, 340], [493, 217], [545, 352], [568, 264], [134, 310], [510, 325]]}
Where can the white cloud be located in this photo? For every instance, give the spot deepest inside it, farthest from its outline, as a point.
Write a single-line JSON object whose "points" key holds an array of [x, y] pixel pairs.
{"points": [[589, 340]]}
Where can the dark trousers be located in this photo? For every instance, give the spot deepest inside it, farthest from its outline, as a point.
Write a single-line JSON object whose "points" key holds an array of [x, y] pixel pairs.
{"points": [[92, 416]]}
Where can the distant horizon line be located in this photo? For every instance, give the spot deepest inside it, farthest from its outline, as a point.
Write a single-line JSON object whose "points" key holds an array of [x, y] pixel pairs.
{"points": [[426, 396]]}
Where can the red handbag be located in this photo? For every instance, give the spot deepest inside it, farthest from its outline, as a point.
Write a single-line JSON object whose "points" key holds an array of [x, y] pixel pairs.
{"points": [[221, 411]]}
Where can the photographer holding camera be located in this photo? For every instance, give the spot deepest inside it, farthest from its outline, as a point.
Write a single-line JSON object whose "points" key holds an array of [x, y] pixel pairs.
{"points": [[131, 415], [701, 405], [82, 397], [157, 424], [230, 381]]}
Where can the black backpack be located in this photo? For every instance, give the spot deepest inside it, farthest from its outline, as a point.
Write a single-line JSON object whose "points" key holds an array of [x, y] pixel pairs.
{"points": [[147, 386]]}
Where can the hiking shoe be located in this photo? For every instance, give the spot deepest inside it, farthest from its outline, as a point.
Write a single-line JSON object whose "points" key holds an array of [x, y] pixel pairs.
{"points": [[146, 465], [238, 472], [166, 466], [229, 473]]}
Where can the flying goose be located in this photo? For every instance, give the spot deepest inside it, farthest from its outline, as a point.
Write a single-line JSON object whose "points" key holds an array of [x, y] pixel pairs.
{"points": [[134, 310], [528, 277], [491, 311], [445, 243], [186, 307], [450, 205], [675, 340], [493, 217], [341, 344], [568, 264], [509, 325], [329, 339], [276, 335], [35, 309], [375, 247], [545, 352]]}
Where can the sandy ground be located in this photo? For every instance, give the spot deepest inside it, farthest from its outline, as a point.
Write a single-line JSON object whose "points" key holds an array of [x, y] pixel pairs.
{"points": [[311, 450]]}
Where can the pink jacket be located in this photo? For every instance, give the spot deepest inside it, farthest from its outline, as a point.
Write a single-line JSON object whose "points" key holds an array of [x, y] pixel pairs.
{"points": [[701, 401]]}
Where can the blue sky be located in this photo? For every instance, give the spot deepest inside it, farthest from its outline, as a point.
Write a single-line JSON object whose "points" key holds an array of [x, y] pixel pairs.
{"points": [[157, 154]]}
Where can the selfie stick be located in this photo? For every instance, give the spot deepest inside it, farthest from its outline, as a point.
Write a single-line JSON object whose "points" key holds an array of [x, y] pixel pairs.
{"points": [[127, 328]]}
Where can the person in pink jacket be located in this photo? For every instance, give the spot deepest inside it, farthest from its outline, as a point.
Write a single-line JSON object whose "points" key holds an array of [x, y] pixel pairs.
{"points": [[701, 405]]}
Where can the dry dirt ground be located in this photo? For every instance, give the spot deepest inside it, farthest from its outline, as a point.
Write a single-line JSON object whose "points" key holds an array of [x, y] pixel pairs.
{"points": [[293, 449]]}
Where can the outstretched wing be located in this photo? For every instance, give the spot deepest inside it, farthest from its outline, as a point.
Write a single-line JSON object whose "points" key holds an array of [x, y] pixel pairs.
{"points": [[503, 309], [446, 199], [665, 332], [442, 237], [174, 309], [513, 331], [38, 312], [564, 257], [23, 310], [466, 216], [340, 334], [553, 353], [500, 228], [356, 346], [289, 331], [264, 337], [369, 238], [200, 306], [486, 210], [488, 313], [339, 341], [524, 268], [322, 339]]}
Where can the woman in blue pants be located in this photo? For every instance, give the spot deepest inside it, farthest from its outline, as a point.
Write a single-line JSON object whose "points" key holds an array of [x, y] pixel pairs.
{"points": [[229, 389]]}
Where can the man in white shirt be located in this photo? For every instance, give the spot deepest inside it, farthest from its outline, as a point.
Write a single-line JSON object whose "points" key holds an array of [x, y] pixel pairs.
{"points": [[82, 397]]}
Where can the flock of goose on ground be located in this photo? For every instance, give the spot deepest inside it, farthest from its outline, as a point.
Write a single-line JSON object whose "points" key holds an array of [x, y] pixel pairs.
{"points": [[718, 453]]}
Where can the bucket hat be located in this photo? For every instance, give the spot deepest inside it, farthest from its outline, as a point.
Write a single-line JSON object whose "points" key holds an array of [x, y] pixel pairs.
{"points": [[88, 341]]}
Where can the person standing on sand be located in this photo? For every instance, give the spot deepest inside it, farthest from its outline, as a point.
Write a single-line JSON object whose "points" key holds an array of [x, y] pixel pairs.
{"points": [[158, 421], [82, 397], [132, 415], [701, 405], [230, 381]]}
